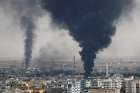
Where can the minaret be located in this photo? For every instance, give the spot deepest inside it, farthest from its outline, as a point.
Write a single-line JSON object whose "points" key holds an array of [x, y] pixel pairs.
{"points": [[74, 62], [107, 70]]}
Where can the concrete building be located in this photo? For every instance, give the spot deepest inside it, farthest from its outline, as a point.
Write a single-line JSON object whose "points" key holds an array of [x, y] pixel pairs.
{"points": [[110, 83], [77, 86], [74, 86], [100, 90], [132, 86]]}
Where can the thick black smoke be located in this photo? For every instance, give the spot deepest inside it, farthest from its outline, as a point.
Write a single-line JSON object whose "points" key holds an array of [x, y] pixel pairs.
{"points": [[90, 22]]}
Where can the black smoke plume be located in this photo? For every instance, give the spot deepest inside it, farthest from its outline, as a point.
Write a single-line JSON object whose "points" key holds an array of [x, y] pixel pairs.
{"points": [[90, 22]]}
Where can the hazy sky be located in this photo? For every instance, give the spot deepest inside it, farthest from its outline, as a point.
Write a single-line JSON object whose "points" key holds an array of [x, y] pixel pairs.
{"points": [[126, 42], [52, 40]]}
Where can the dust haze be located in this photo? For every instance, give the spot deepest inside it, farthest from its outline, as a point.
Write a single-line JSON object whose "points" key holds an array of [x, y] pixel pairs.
{"points": [[126, 42]]}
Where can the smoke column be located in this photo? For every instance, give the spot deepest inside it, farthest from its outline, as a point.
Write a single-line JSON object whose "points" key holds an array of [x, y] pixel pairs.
{"points": [[28, 11], [90, 22], [28, 23]]}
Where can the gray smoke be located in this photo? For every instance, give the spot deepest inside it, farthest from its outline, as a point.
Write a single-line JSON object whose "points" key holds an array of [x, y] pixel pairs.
{"points": [[27, 22], [26, 11], [30, 10]]}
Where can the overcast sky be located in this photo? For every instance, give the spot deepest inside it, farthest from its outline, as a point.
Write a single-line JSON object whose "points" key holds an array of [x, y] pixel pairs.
{"points": [[126, 42], [51, 41]]}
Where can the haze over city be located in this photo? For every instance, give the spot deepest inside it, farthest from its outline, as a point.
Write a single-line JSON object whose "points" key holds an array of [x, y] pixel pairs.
{"points": [[69, 46], [12, 36]]}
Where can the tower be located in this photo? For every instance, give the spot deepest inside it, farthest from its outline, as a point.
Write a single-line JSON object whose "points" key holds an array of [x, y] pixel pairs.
{"points": [[74, 62], [107, 70]]}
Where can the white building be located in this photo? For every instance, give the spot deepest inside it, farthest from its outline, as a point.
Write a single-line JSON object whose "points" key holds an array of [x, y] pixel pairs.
{"points": [[132, 86], [109, 83], [74, 86]]}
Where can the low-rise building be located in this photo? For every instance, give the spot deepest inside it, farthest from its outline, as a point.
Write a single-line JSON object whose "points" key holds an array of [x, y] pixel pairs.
{"points": [[100, 90]]}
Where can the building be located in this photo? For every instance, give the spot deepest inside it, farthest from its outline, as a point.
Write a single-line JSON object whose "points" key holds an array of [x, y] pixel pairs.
{"points": [[54, 90], [74, 86], [100, 90], [132, 86], [110, 83]]}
